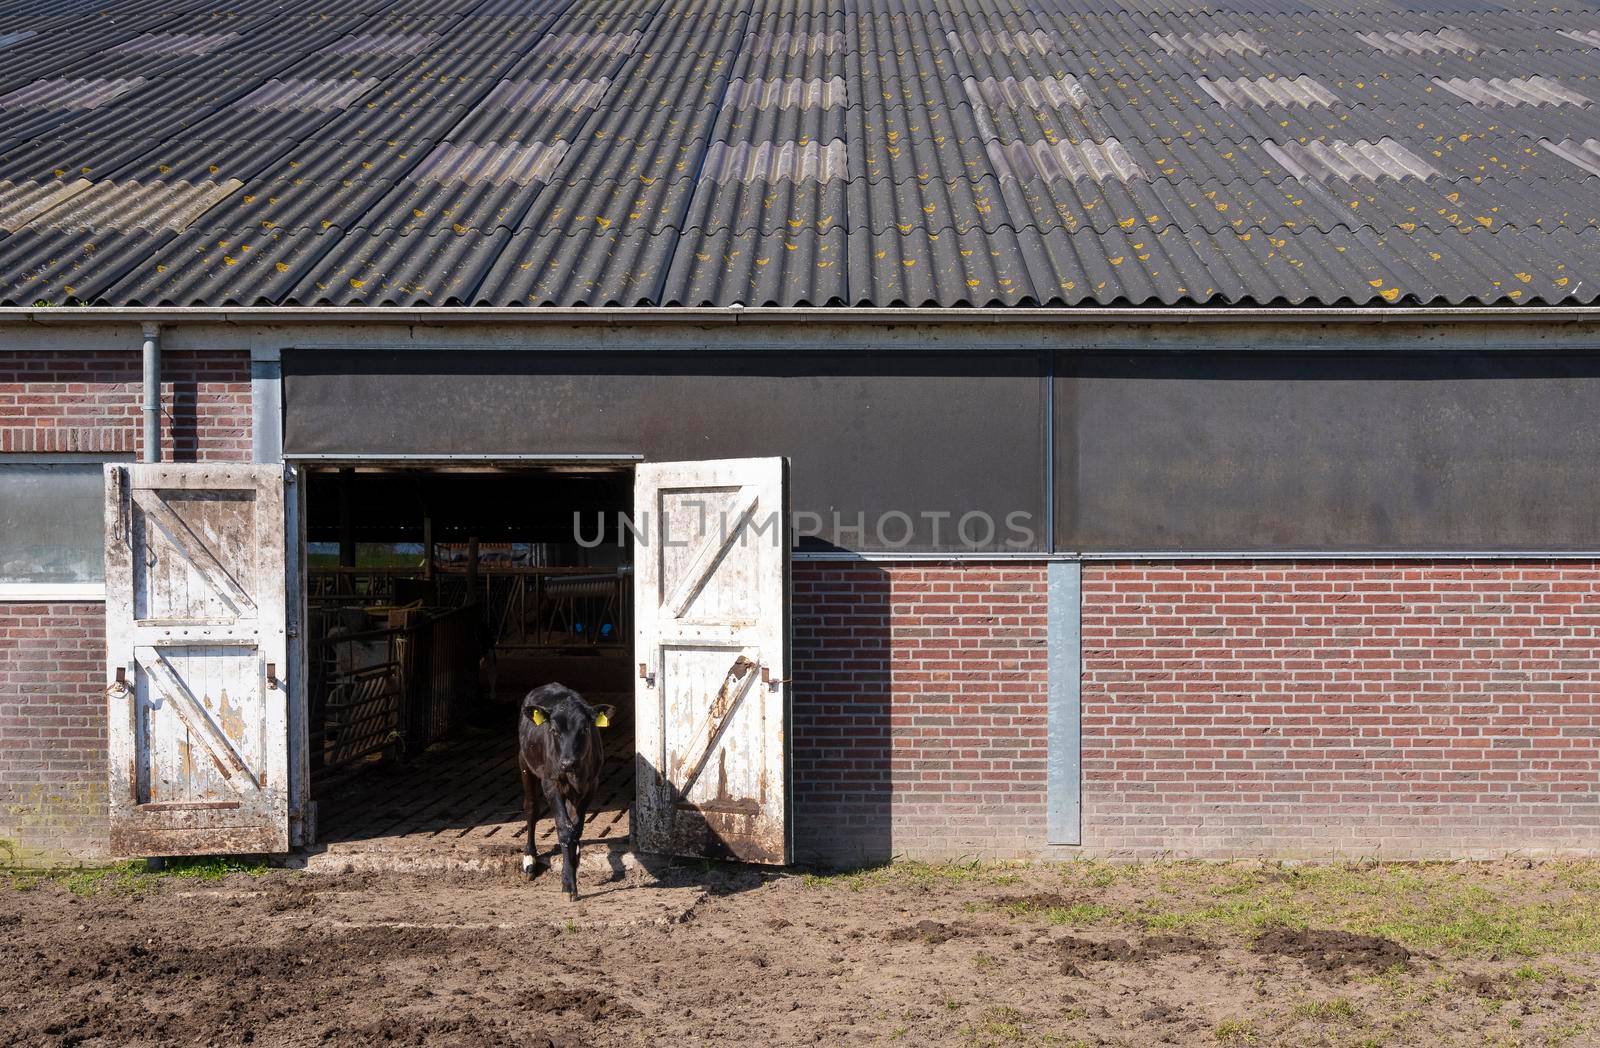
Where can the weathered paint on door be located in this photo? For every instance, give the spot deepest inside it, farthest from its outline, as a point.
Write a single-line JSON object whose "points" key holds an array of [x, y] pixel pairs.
{"points": [[711, 620], [197, 663]]}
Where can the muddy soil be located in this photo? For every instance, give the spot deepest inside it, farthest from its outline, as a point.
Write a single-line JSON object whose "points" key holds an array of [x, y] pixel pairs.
{"points": [[687, 956]]}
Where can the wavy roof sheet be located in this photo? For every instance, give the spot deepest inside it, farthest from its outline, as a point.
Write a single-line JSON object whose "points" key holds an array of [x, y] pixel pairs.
{"points": [[799, 152]]}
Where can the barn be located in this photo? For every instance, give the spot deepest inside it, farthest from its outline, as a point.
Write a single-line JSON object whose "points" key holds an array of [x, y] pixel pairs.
{"points": [[986, 428]]}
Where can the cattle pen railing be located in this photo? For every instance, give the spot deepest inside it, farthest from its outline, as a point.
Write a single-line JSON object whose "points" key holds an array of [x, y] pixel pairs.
{"points": [[527, 609], [391, 691]]}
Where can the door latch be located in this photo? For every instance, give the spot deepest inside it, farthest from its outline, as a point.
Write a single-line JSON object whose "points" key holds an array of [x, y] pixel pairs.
{"points": [[272, 676], [770, 681], [119, 687], [646, 676]]}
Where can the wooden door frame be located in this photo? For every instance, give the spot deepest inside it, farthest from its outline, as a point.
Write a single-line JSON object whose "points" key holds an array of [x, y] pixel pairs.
{"points": [[302, 806], [302, 809]]}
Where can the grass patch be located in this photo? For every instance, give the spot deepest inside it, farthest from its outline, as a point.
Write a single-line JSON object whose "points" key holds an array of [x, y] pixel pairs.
{"points": [[1235, 1031], [1079, 913], [133, 877], [1076, 914], [213, 867], [1335, 1010], [998, 1025], [907, 872], [1462, 908]]}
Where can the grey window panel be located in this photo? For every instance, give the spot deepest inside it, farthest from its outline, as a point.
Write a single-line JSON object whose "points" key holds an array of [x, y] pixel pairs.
{"points": [[868, 435], [50, 523], [1282, 452]]}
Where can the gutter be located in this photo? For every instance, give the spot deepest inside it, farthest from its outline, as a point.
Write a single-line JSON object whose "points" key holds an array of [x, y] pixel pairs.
{"points": [[152, 393], [773, 314]]}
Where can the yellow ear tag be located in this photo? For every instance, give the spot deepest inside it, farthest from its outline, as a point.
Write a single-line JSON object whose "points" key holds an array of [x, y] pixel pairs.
{"points": [[602, 721], [538, 716]]}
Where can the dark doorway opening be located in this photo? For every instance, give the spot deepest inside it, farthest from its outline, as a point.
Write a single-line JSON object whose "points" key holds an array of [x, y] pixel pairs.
{"points": [[436, 598]]}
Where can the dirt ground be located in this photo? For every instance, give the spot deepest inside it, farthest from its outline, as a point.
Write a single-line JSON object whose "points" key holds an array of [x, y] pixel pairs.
{"points": [[1082, 954]]}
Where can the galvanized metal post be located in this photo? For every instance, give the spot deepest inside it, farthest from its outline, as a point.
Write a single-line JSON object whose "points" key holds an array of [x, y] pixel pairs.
{"points": [[266, 411], [1064, 764], [347, 519], [152, 393], [427, 545]]}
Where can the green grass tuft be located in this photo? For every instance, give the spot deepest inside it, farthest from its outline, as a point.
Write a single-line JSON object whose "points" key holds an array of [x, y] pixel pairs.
{"points": [[907, 872], [1334, 1010], [134, 876]]}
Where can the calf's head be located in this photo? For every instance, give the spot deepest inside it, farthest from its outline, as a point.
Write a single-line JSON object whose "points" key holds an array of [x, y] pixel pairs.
{"points": [[568, 720]]}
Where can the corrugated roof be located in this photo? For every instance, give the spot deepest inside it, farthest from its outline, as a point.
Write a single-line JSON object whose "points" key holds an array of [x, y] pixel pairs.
{"points": [[799, 152]]}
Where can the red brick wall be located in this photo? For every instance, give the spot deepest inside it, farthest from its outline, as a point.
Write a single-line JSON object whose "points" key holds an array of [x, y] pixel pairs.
{"points": [[919, 706], [1331, 708], [91, 402], [1316, 708], [52, 733]]}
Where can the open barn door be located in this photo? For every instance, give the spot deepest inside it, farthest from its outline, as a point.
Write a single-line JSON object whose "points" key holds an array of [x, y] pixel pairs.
{"points": [[196, 659], [711, 618]]}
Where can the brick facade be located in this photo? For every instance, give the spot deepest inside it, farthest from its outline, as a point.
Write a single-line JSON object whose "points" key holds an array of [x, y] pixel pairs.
{"points": [[90, 402], [1315, 708], [52, 723], [52, 731], [919, 710], [1332, 708]]}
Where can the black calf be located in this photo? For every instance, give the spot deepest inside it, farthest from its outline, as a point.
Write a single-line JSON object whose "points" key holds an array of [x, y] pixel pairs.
{"points": [[560, 754]]}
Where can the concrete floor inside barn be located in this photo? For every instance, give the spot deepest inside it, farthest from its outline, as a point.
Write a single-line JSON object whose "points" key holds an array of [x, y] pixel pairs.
{"points": [[458, 805]]}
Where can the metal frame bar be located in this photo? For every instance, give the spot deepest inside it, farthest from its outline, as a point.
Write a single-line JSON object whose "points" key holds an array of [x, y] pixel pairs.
{"points": [[1064, 762], [52, 593], [1182, 337], [1049, 449], [68, 458], [1341, 554], [844, 314], [302, 824], [1160, 556], [474, 458], [900, 556], [266, 411]]}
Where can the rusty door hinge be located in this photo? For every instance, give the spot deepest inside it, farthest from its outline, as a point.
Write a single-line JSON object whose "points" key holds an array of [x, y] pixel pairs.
{"points": [[646, 676], [272, 676]]}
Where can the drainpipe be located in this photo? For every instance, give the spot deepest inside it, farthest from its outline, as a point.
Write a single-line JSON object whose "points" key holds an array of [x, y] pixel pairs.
{"points": [[152, 392]]}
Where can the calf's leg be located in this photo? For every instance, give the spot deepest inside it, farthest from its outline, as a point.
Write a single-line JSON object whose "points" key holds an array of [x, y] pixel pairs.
{"points": [[530, 808], [570, 856], [568, 839]]}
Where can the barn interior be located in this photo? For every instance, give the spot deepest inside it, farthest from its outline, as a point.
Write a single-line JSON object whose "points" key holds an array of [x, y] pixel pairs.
{"points": [[436, 598]]}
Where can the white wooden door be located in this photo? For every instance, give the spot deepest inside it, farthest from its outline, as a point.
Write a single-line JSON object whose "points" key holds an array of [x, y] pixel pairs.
{"points": [[197, 664], [711, 636]]}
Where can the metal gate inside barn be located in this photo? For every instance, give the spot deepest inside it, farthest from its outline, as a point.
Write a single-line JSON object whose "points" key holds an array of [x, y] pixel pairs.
{"points": [[422, 600]]}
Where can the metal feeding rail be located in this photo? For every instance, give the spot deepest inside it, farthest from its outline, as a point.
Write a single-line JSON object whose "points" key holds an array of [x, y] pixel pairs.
{"points": [[529, 609], [392, 691]]}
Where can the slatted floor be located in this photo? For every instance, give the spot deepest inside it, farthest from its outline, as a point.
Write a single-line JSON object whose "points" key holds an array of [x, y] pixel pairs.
{"points": [[466, 793]]}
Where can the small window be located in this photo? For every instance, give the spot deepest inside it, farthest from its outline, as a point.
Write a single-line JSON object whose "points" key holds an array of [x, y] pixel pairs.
{"points": [[51, 533]]}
